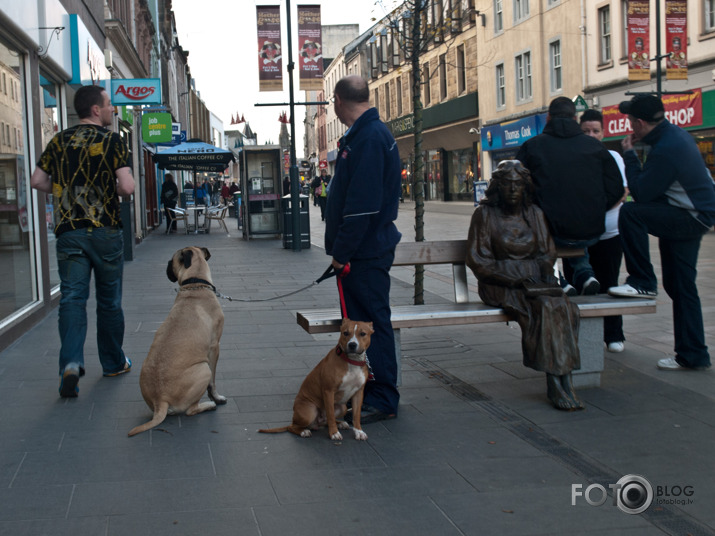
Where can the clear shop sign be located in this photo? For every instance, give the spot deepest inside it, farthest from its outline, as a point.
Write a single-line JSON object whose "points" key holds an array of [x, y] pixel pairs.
{"points": [[682, 109], [136, 91]]}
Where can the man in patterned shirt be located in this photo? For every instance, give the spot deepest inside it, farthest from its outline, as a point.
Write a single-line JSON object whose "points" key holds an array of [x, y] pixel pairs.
{"points": [[86, 168]]}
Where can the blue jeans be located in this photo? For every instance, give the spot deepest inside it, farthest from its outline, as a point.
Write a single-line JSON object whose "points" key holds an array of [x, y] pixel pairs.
{"points": [[367, 298], [581, 266], [79, 252], [679, 236]]}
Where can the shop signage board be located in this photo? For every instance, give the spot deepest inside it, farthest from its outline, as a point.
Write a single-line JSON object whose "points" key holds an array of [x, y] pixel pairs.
{"points": [[682, 109], [156, 127], [512, 134], [136, 91], [87, 56]]}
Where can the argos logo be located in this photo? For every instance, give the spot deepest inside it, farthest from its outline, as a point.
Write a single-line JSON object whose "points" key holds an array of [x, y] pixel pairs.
{"points": [[136, 91]]}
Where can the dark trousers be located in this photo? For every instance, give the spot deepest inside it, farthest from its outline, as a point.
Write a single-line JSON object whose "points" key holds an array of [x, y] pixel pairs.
{"points": [[605, 258], [367, 298], [169, 220], [679, 235]]}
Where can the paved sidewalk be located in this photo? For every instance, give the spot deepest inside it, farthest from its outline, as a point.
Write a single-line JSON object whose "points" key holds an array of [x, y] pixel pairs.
{"points": [[476, 450]]}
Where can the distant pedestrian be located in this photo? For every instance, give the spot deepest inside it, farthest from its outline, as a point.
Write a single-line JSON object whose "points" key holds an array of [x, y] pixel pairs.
{"points": [[86, 167], [673, 199], [169, 197], [225, 194], [286, 185]]}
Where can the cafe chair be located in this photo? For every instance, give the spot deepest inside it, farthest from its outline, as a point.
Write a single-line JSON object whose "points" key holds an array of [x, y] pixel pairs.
{"points": [[216, 214], [178, 214]]}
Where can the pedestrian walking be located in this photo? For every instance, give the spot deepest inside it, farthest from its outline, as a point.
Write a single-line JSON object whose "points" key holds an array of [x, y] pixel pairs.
{"points": [[360, 230], [674, 199], [169, 197], [86, 167]]}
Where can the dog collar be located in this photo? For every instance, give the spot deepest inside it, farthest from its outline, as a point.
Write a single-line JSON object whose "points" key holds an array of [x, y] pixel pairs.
{"points": [[345, 358], [196, 280]]}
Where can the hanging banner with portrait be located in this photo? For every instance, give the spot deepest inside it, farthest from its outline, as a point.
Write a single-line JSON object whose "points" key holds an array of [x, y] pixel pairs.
{"points": [[310, 41], [638, 40], [676, 39], [270, 64]]}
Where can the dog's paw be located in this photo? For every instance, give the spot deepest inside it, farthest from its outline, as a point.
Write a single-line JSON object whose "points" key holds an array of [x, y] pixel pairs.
{"points": [[360, 435], [343, 425], [220, 400], [337, 436], [306, 433]]}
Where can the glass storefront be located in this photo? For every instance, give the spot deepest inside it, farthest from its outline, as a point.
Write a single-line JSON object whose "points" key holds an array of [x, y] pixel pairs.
{"points": [[460, 166], [434, 188], [50, 104], [19, 286], [706, 144]]}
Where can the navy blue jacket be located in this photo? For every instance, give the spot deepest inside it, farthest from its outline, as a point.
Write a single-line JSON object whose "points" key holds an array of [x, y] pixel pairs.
{"points": [[674, 173], [364, 193]]}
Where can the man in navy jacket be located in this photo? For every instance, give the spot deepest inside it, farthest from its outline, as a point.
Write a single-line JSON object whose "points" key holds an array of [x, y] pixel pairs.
{"points": [[362, 207], [673, 199]]}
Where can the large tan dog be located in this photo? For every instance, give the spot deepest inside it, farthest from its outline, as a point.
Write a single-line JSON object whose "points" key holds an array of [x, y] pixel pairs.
{"points": [[181, 364], [339, 377]]}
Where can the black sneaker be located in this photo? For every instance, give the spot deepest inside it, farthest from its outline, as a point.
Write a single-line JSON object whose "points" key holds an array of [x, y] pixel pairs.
{"points": [[591, 287], [68, 383]]}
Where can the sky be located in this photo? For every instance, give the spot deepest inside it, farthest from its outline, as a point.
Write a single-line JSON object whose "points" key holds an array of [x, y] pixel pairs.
{"points": [[220, 36]]}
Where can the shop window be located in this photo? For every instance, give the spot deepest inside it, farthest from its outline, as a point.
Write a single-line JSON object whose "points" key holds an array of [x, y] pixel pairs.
{"points": [[16, 239]]}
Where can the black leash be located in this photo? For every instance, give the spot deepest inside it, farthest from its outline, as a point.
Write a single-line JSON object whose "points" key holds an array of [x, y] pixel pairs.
{"points": [[327, 274]]}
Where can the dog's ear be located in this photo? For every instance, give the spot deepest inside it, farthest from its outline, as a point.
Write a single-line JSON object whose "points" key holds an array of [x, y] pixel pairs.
{"points": [[186, 256], [207, 255], [170, 271], [372, 330]]}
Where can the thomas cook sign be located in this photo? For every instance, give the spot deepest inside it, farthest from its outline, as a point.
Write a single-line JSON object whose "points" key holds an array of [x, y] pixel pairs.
{"points": [[136, 91]]}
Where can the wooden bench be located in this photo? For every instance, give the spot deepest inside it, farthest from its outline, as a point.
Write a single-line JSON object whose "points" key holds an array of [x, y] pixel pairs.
{"points": [[465, 312]]}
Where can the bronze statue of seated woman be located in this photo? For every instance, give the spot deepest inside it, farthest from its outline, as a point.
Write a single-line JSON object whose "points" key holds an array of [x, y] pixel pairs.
{"points": [[512, 255]]}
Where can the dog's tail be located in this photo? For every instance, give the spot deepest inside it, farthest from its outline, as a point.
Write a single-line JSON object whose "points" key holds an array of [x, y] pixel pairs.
{"points": [[274, 430], [159, 416]]}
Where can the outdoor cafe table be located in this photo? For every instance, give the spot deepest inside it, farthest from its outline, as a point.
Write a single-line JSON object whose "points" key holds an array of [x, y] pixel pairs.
{"points": [[196, 209]]}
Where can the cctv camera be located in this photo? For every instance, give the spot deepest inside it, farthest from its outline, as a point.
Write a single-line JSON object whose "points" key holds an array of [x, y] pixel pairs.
{"points": [[474, 130]]}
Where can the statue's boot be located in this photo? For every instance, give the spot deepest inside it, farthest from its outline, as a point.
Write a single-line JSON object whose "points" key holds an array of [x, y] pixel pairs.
{"points": [[567, 384], [555, 391]]}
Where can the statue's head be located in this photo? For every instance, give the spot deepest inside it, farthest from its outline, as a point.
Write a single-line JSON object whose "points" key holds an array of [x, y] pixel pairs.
{"points": [[509, 179]]}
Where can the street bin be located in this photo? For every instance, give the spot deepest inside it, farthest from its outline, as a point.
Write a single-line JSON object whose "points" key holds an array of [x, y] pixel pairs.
{"points": [[237, 207], [288, 222]]}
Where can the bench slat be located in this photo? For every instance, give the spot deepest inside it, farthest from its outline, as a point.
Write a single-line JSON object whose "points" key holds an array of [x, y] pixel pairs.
{"points": [[411, 316]]}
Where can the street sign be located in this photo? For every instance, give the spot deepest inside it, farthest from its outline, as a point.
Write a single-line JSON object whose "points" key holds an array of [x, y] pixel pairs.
{"points": [[580, 103]]}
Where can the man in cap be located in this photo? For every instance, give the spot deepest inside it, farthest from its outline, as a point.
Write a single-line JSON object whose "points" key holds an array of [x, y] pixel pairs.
{"points": [[674, 199]]}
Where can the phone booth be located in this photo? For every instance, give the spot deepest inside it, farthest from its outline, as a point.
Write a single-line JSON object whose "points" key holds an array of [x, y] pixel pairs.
{"points": [[261, 177]]}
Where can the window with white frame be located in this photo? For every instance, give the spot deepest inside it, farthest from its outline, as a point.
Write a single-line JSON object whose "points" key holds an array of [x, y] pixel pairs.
{"points": [[709, 16], [461, 70], [498, 16], [555, 65], [604, 33], [624, 27], [522, 64], [521, 10], [501, 86]]}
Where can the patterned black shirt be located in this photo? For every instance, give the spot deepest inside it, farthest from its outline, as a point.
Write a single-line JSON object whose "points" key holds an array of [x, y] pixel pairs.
{"points": [[82, 161]]}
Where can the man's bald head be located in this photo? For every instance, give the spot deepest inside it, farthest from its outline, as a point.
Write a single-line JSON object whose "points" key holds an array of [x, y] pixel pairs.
{"points": [[352, 88]]}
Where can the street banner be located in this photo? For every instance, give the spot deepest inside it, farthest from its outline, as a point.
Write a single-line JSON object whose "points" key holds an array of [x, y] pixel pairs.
{"points": [[676, 40], [638, 39], [270, 63], [682, 109], [310, 41]]}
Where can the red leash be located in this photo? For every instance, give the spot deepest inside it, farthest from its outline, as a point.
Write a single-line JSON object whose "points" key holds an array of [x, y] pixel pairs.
{"points": [[340, 275]]}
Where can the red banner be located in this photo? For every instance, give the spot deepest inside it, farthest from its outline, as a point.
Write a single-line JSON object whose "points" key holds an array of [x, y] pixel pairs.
{"points": [[270, 64], [638, 39], [310, 41], [676, 39], [684, 110]]}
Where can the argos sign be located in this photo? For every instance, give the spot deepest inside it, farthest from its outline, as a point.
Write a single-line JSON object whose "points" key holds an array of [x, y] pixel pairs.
{"points": [[684, 110], [136, 91]]}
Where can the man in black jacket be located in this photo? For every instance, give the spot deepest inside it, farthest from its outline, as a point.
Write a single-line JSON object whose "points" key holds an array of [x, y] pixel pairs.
{"points": [[169, 196], [576, 181]]}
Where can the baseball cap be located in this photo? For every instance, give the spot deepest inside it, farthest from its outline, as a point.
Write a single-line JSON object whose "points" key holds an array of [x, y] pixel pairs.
{"points": [[646, 107]]}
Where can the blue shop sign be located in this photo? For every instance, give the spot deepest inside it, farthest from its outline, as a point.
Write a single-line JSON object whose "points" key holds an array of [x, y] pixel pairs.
{"points": [[513, 133], [136, 91], [87, 57]]}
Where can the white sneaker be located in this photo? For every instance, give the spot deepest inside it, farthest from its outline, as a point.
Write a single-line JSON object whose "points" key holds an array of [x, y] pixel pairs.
{"points": [[627, 291], [616, 347], [669, 363]]}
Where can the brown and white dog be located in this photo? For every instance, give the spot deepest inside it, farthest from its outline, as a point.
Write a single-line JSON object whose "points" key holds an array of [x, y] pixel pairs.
{"points": [[181, 364], [339, 377]]}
